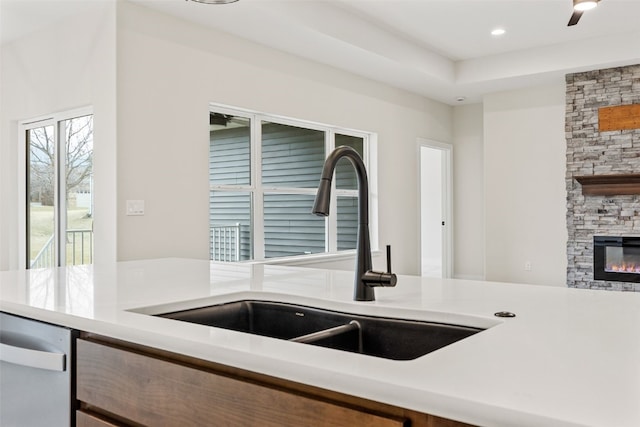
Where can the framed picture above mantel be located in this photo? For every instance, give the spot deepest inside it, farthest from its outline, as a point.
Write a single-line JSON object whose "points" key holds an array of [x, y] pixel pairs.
{"points": [[620, 117]]}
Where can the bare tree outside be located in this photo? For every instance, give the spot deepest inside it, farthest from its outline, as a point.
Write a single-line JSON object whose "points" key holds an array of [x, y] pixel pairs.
{"points": [[41, 163], [79, 165], [79, 132]]}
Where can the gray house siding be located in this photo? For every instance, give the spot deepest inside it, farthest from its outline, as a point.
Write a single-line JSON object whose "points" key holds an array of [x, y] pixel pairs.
{"points": [[292, 157]]}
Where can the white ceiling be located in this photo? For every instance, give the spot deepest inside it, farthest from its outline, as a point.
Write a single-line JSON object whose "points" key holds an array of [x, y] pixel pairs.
{"points": [[442, 49]]}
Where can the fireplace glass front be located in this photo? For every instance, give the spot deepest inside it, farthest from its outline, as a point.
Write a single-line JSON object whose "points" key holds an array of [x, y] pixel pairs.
{"points": [[616, 258]]}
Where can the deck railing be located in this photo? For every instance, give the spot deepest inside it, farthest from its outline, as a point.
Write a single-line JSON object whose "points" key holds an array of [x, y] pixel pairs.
{"points": [[79, 250], [225, 242], [46, 256], [79, 247]]}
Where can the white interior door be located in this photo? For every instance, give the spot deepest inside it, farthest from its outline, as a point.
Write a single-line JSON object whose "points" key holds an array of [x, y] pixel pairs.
{"points": [[435, 209]]}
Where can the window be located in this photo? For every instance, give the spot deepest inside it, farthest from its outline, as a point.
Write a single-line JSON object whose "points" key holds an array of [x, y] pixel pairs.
{"points": [[58, 191], [263, 176]]}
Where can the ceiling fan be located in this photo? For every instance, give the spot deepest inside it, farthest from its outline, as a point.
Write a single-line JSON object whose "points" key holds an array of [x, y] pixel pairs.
{"points": [[579, 7]]}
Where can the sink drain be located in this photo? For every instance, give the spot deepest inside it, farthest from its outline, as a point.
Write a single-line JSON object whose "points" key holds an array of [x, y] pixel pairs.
{"points": [[504, 314]]}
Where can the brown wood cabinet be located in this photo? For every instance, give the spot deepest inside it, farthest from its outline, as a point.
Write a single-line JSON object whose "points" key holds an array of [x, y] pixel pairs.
{"points": [[84, 419], [121, 384]]}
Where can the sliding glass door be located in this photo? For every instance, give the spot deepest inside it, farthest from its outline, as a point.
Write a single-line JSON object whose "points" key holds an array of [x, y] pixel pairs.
{"points": [[59, 191]]}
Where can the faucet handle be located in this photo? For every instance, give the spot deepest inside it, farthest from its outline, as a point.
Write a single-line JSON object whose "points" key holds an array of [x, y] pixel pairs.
{"points": [[379, 278]]}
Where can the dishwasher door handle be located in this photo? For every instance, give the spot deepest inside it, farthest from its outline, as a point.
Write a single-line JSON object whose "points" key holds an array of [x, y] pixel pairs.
{"points": [[51, 361]]}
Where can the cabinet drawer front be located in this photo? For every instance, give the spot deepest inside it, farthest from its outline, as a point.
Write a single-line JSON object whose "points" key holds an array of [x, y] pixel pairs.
{"points": [[87, 420], [156, 392]]}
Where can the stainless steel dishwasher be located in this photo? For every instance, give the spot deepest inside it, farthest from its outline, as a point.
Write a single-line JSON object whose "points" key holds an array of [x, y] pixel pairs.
{"points": [[36, 381]]}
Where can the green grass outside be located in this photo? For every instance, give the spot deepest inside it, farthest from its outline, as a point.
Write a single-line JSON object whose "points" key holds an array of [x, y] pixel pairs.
{"points": [[41, 228]]}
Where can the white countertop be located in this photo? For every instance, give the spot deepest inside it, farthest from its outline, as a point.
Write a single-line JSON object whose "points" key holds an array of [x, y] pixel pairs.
{"points": [[570, 358]]}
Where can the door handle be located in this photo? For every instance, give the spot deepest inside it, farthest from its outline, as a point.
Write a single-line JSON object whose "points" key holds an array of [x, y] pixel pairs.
{"points": [[51, 361]]}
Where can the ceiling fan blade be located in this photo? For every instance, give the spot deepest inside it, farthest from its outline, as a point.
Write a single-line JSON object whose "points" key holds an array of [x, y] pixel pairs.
{"points": [[575, 17]]}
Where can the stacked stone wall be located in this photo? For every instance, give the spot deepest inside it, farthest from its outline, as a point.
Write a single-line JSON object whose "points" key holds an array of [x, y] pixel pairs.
{"points": [[591, 152]]}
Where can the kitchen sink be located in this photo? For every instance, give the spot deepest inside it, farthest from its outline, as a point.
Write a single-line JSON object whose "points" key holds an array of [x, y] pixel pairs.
{"points": [[389, 338]]}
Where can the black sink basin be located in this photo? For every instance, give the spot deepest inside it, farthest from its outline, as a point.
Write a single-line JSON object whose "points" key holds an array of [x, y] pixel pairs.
{"points": [[389, 338]]}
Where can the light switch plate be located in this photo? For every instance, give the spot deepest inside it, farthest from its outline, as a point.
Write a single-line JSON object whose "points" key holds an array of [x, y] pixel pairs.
{"points": [[135, 207]]}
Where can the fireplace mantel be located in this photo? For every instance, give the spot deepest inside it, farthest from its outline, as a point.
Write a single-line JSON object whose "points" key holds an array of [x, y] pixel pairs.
{"points": [[609, 185]]}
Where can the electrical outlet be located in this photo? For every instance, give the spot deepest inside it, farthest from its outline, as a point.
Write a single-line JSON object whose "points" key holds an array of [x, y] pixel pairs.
{"points": [[527, 266], [135, 207]]}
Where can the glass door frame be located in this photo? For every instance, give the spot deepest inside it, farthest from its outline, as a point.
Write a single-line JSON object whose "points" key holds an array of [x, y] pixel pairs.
{"points": [[57, 120]]}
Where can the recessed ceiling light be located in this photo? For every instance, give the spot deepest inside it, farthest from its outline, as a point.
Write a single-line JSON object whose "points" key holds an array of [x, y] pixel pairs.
{"points": [[460, 98], [498, 32], [215, 1], [583, 5]]}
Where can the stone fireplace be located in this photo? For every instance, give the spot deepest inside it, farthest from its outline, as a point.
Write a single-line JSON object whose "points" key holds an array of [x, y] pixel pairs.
{"points": [[603, 163]]}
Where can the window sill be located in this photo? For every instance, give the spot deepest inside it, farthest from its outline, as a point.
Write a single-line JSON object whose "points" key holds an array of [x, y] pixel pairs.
{"points": [[303, 260]]}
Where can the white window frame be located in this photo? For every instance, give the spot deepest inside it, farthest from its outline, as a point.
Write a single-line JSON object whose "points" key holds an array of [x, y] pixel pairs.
{"points": [[55, 120], [257, 190]]}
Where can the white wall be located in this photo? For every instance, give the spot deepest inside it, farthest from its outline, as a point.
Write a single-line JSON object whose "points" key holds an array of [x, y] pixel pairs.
{"points": [[168, 72], [468, 191], [524, 174], [68, 65]]}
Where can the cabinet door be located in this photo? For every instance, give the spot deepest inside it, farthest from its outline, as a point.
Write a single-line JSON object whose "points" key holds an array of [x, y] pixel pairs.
{"points": [[156, 392]]}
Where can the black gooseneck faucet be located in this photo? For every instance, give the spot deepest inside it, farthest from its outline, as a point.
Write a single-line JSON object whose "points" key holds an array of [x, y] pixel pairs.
{"points": [[365, 278]]}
